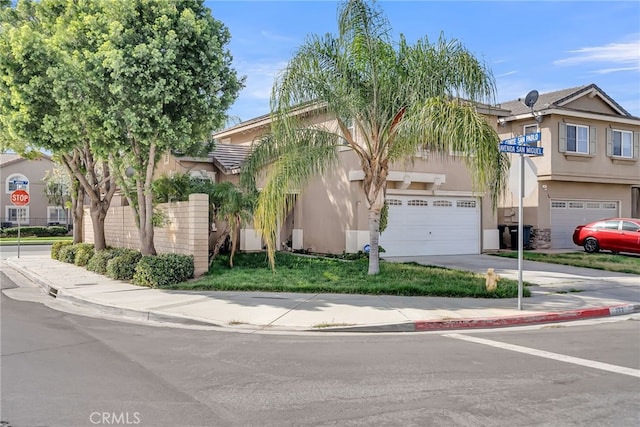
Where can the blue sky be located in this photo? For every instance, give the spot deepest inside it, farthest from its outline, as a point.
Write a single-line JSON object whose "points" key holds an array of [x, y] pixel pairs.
{"points": [[542, 45]]}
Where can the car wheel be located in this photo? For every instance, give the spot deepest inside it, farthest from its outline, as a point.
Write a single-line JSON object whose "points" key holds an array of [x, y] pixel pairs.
{"points": [[591, 245]]}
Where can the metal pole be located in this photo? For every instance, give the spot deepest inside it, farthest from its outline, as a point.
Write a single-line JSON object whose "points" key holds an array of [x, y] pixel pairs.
{"points": [[520, 229], [19, 212]]}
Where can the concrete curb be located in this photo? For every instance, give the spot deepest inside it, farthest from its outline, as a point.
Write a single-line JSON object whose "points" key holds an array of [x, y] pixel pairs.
{"points": [[531, 319]]}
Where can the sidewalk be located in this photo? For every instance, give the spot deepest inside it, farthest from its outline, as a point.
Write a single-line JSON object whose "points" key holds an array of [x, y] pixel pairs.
{"points": [[554, 298]]}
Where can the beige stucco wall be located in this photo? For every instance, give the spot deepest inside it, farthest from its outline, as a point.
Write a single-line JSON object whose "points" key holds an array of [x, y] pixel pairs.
{"points": [[186, 230]]}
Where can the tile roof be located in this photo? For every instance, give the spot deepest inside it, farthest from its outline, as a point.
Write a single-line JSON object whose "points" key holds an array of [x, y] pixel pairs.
{"points": [[6, 158], [557, 99], [229, 158]]}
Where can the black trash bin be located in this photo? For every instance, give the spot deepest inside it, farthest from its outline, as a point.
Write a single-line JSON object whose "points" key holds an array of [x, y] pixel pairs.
{"points": [[501, 228], [526, 233]]}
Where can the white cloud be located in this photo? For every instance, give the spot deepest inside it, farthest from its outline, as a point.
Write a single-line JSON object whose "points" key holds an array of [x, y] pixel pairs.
{"points": [[616, 53]]}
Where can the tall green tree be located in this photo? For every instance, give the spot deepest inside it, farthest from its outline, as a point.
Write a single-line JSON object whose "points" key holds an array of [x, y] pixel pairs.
{"points": [[106, 85], [170, 82], [51, 93], [399, 97]]}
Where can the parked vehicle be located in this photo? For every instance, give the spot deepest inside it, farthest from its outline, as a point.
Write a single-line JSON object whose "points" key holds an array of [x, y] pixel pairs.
{"points": [[610, 234]]}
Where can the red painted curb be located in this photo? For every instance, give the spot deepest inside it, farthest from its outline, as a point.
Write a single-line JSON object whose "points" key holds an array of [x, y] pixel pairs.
{"points": [[496, 322]]}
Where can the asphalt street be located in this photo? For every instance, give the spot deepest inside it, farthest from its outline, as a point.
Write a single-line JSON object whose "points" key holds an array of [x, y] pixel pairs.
{"points": [[63, 369]]}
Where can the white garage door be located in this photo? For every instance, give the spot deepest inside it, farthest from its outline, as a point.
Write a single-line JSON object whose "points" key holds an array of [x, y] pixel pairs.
{"points": [[426, 225], [567, 214]]}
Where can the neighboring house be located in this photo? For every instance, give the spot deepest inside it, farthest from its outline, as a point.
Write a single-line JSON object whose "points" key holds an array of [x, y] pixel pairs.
{"points": [[433, 208], [590, 168], [16, 170]]}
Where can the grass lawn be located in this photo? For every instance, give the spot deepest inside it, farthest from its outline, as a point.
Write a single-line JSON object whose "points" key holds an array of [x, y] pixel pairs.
{"points": [[600, 261], [33, 240], [296, 273]]}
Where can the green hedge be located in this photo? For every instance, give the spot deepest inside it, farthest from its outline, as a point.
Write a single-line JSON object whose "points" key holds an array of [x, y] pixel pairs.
{"points": [[123, 266], [84, 253], [56, 246], [99, 260], [28, 231], [163, 270], [68, 254]]}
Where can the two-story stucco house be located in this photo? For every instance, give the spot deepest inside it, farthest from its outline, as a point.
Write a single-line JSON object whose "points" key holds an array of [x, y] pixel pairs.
{"points": [[590, 168], [15, 171]]}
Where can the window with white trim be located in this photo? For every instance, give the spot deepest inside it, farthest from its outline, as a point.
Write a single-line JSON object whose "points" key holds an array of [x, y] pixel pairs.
{"points": [[529, 129], [417, 203], [14, 182], [620, 143], [13, 213], [56, 214], [578, 139]]}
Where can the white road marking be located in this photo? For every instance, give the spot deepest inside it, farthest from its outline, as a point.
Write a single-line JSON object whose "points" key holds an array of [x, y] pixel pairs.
{"points": [[549, 355]]}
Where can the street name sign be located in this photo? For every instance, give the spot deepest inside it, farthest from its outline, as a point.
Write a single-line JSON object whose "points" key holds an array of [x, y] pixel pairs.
{"points": [[521, 149], [523, 144]]}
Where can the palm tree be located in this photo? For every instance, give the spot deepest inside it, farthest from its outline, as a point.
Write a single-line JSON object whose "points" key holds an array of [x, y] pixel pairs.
{"points": [[399, 97], [233, 207]]}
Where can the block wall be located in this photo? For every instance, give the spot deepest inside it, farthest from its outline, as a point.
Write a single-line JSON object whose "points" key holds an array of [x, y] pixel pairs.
{"points": [[186, 229]]}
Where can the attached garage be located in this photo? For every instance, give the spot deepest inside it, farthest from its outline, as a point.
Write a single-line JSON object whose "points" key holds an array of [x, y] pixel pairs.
{"points": [[430, 225], [567, 214]]}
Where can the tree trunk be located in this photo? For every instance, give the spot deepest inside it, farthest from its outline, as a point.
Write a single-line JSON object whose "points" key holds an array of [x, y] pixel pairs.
{"points": [[218, 245], [374, 235], [233, 241], [77, 213], [98, 214], [145, 224]]}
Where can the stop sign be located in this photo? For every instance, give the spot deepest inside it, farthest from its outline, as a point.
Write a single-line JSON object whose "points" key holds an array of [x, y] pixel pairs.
{"points": [[20, 198]]}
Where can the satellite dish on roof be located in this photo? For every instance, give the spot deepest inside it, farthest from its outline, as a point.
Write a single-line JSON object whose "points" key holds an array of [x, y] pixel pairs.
{"points": [[531, 98]]}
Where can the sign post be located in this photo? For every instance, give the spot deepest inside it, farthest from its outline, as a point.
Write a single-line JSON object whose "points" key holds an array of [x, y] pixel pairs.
{"points": [[20, 198], [523, 144]]}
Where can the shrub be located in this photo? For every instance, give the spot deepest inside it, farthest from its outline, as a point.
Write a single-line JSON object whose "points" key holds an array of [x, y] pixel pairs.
{"points": [[56, 246], [163, 270], [122, 266], [98, 262], [68, 254], [84, 253], [57, 230], [38, 231]]}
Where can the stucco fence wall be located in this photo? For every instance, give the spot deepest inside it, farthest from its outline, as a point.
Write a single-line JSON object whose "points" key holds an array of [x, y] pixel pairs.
{"points": [[186, 230]]}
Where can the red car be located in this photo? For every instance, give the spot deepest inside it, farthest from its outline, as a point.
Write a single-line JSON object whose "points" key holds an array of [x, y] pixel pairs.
{"points": [[611, 234]]}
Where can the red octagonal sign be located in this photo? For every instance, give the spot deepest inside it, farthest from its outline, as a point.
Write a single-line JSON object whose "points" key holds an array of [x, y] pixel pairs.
{"points": [[20, 198]]}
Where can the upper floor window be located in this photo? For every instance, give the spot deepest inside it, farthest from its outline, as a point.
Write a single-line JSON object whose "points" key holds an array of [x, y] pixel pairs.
{"points": [[620, 143], [530, 129], [577, 139], [15, 182]]}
